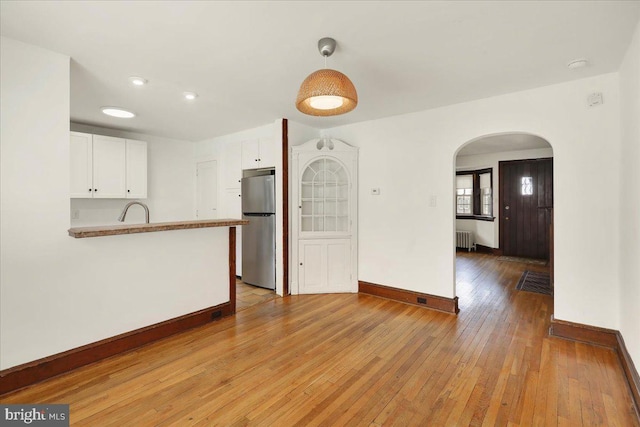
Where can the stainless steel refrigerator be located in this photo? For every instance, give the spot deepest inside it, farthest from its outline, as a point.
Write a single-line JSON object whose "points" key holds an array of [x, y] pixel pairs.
{"points": [[259, 237]]}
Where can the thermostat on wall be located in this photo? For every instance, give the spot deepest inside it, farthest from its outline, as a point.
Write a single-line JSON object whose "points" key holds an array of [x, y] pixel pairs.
{"points": [[595, 99]]}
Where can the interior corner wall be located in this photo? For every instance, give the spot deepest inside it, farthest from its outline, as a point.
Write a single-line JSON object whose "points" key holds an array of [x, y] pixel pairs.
{"points": [[488, 232], [34, 202], [171, 183], [407, 243], [58, 293], [299, 133], [629, 207]]}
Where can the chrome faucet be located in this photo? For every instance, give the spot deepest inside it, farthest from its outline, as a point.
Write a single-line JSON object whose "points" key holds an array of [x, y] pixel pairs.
{"points": [[126, 208]]}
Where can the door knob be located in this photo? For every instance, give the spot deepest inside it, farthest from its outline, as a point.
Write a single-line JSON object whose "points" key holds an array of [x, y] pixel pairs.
{"points": [[506, 207], [300, 263], [507, 218]]}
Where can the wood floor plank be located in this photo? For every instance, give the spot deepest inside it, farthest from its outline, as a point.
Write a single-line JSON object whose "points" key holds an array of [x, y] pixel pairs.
{"points": [[359, 360]]}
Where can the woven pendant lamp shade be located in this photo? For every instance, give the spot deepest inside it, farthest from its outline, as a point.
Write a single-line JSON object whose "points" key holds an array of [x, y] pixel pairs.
{"points": [[327, 82]]}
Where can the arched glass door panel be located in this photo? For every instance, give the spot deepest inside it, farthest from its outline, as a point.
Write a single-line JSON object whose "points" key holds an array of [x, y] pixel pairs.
{"points": [[324, 194]]}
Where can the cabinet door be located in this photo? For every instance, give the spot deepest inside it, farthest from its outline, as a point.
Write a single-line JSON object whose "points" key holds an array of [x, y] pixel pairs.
{"points": [[109, 167], [251, 154], [81, 160], [233, 209], [207, 190], [232, 165], [325, 266], [312, 268], [267, 153], [136, 169]]}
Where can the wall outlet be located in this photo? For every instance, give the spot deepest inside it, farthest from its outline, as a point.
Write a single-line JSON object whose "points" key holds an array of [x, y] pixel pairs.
{"points": [[375, 191], [75, 214]]}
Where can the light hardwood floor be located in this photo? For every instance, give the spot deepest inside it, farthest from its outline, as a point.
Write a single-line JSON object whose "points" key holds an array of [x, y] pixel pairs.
{"points": [[360, 360], [248, 295]]}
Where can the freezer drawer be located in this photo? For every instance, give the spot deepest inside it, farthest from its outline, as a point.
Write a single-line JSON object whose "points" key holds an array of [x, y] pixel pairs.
{"points": [[259, 251]]}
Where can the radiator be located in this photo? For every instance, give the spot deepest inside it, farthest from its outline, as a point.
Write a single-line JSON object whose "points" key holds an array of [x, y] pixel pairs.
{"points": [[465, 240]]}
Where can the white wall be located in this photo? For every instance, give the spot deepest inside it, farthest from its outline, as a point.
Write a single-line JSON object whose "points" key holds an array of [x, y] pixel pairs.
{"points": [[407, 244], [299, 133], [170, 187], [56, 292], [629, 201], [488, 233]]}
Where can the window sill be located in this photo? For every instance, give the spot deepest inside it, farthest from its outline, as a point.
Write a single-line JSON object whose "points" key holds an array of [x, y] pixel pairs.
{"points": [[476, 217]]}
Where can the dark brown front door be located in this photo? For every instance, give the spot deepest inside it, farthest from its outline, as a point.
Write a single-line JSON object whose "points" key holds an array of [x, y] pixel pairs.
{"points": [[526, 203]]}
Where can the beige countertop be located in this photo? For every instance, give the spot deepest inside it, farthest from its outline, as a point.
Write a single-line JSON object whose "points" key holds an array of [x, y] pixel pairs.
{"points": [[112, 230]]}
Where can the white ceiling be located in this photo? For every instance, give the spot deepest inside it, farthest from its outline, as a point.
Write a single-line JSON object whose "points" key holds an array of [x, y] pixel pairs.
{"points": [[506, 142], [246, 60]]}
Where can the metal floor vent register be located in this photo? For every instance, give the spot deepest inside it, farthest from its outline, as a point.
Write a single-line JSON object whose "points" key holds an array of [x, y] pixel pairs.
{"points": [[532, 281]]}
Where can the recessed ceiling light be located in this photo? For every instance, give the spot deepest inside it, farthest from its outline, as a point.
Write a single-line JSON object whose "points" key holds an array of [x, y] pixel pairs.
{"points": [[138, 81], [190, 95], [117, 112], [578, 63]]}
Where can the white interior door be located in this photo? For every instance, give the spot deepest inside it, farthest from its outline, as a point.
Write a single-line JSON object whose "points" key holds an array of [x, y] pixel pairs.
{"points": [[207, 190]]}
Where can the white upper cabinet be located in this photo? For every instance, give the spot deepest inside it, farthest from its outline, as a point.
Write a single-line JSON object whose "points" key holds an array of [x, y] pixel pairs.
{"points": [[258, 153], [81, 152], [107, 167], [268, 153], [136, 169]]}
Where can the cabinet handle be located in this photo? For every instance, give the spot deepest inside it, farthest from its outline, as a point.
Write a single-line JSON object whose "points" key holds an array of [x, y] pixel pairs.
{"points": [[90, 190], [300, 263], [259, 159], [128, 191], [95, 190]]}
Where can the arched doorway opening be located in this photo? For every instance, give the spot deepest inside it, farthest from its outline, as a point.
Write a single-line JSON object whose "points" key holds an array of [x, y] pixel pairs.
{"points": [[503, 207]]}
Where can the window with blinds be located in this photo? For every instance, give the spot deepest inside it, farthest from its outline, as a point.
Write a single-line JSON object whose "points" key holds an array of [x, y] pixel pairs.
{"points": [[474, 194]]}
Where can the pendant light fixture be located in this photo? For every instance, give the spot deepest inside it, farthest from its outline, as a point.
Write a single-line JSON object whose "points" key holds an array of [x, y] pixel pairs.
{"points": [[326, 92]]}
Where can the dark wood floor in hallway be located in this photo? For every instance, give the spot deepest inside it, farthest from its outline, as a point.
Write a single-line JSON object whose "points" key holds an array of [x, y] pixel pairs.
{"points": [[360, 360]]}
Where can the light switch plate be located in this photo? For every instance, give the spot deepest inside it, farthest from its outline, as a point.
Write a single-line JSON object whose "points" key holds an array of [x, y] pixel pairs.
{"points": [[75, 214]]}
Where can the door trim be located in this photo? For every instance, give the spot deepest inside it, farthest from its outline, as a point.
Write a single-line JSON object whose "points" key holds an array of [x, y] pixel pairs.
{"points": [[285, 208]]}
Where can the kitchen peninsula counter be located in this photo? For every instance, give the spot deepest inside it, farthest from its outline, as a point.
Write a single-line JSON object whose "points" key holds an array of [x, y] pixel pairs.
{"points": [[112, 230]]}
